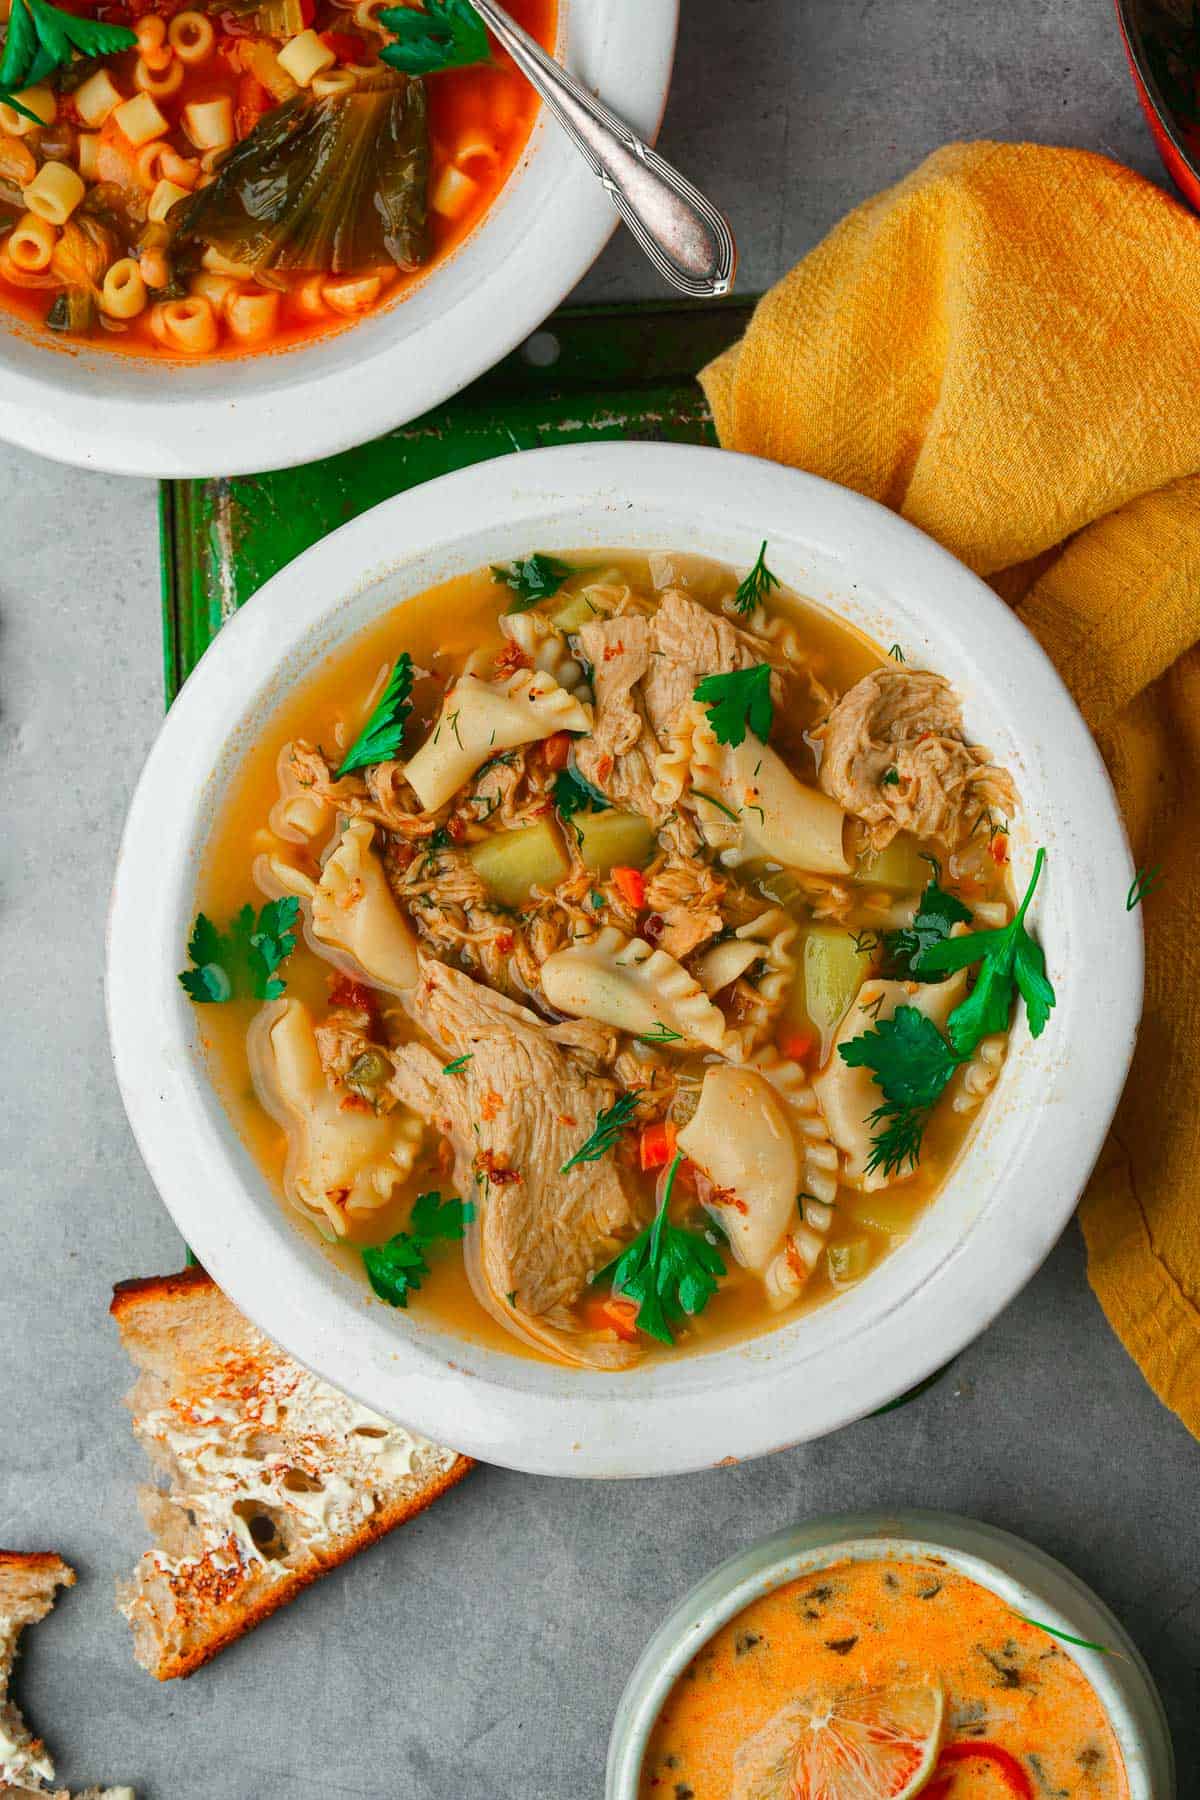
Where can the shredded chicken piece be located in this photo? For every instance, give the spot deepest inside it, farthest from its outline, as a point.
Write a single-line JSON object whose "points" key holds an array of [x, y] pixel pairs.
{"points": [[687, 642], [893, 755], [539, 1232], [379, 793], [656, 1083], [356, 1064], [686, 894], [618, 754]]}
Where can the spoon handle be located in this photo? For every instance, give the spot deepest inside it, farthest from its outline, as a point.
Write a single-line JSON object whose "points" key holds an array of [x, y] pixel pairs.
{"points": [[681, 231]]}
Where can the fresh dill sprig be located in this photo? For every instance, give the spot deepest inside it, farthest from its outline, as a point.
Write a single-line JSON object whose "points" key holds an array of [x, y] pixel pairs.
{"points": [[755, 587], [611, 1123]]}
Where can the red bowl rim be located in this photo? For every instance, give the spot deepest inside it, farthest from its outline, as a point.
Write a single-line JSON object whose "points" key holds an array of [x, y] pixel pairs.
{"points": [[1135, 47]]}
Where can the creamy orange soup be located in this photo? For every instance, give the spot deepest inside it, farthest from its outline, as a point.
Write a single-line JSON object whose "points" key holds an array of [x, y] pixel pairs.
{"points": [[498, 883], [1020, 1719]]}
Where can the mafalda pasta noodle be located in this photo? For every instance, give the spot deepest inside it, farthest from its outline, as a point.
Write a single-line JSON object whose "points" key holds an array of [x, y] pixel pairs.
{"points": [[274, 146], [632, 950]]}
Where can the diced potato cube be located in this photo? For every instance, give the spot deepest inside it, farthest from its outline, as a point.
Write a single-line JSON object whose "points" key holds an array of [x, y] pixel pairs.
{"points": [[833, 973], [901, 865], [574, 612], [849, 1261], [613, 839], [890, 1210], [513, 862]]}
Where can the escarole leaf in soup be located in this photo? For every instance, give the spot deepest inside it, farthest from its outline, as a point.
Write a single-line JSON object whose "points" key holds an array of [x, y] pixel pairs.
{"points": [[336, 184], [447, 34]]}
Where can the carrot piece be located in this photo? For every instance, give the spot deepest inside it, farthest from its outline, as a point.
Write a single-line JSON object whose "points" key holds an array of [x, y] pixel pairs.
{"points": [[613, 1314], [656, 1146], [556, 749], [631, 885], [795, 1044]]}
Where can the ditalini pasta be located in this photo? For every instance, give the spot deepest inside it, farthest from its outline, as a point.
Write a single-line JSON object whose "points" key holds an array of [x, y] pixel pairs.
{"points": [[299, 149], [584, 999]]}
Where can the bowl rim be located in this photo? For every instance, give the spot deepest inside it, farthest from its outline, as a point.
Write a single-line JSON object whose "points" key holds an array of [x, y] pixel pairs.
{"points": [[1031, 1581], [966, 1260], [234, 416], [1134, 38]]}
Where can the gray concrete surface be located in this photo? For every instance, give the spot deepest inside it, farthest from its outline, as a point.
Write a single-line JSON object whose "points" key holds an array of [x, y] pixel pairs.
{"points": [[480, 1653]]}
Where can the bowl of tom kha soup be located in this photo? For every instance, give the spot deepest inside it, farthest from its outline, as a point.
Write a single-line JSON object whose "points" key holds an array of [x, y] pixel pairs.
{"points": [[873, 1655]]}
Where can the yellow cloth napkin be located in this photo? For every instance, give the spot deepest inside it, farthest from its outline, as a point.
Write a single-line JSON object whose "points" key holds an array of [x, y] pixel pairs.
{"points": [[1005, 348]]}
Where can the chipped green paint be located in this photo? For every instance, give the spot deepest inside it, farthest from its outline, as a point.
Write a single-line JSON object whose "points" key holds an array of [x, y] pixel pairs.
{"points": [[589, 374]]}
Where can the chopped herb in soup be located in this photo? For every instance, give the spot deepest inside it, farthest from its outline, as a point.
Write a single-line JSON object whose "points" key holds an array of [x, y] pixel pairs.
{"points": [[651, 915], [244, 174], [882, 1678]]}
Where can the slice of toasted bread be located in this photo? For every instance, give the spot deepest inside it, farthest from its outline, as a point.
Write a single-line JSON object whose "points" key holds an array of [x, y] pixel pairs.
{"points": [[272, 1476], [29, 1581]]}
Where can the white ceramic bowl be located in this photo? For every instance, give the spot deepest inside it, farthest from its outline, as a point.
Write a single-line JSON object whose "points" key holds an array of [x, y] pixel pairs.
{"points": [[142, 416], [1028, 1580], [1009, 1195]]}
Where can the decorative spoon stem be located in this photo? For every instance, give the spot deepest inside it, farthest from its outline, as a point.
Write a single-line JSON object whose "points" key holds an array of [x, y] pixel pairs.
{"points": [[681, 231]]}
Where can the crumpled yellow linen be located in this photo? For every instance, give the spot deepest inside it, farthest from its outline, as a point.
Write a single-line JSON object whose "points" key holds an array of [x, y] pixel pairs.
{"points": [[1005, 348]]}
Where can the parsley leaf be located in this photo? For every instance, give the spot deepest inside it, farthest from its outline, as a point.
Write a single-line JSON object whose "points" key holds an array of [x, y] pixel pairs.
{"points": [[611, 1122], [532, 579], [911, 1063], [573, 794], [936, 912], [737, 702], [382, 737], [1010, 963], [757, 584], [41, 38], [667, 1270], [448, 34], [240, 964], [397, 1269]]}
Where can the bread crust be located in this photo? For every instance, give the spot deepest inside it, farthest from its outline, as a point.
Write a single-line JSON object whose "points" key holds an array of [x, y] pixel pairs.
{"points": [[222, 1614]]}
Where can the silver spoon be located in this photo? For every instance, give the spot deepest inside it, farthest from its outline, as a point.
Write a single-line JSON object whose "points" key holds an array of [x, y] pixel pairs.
{"points": [[682, 233]]}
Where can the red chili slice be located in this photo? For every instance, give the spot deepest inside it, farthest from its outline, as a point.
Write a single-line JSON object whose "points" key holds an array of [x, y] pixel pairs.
{"points": [[1003, 1761]]}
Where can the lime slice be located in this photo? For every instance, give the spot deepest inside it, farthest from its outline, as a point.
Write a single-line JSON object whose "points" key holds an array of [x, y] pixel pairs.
{"points": [[861, 1744]]}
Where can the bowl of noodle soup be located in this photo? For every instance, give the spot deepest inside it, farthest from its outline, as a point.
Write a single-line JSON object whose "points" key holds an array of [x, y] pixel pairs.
{"points": [[834, 1286]]}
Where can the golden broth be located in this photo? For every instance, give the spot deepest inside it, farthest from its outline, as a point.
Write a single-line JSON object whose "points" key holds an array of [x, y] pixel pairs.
{"points": [[883, 1624], [440, 629]]}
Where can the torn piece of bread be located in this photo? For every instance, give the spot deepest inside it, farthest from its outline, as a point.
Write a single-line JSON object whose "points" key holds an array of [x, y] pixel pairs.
{"points": [[29, 1582], [272, 1476]]}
